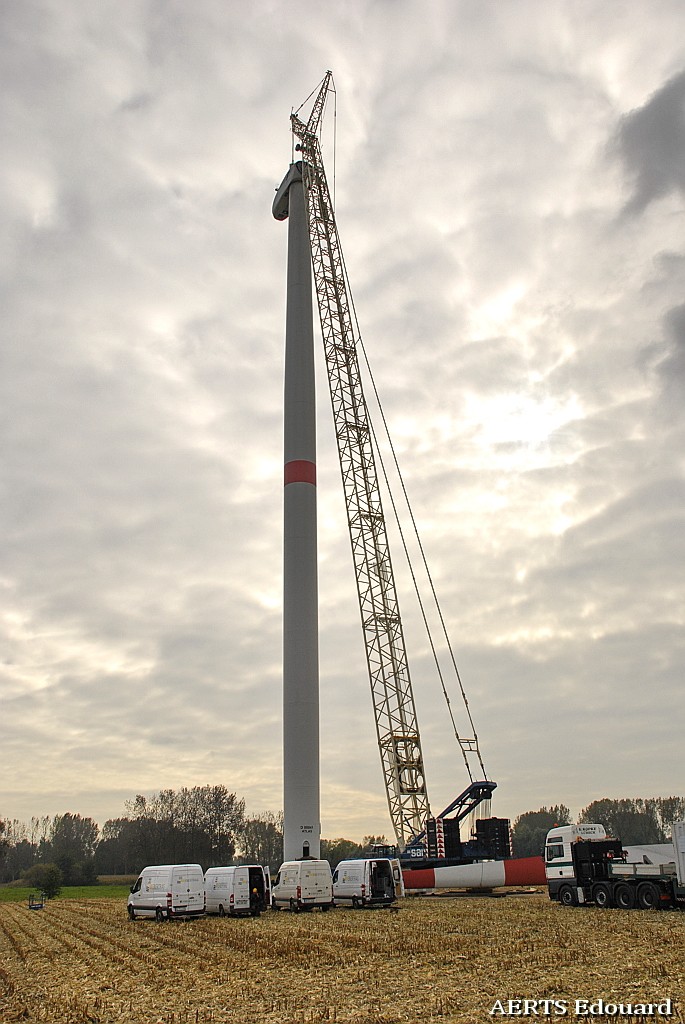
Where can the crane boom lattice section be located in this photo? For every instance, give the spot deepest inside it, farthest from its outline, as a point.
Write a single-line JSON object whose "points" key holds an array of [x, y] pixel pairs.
{"points": [[393, 701]]}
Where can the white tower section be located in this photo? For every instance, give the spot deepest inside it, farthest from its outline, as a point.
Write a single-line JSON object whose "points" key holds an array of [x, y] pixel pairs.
{"points": [[301, 802]]}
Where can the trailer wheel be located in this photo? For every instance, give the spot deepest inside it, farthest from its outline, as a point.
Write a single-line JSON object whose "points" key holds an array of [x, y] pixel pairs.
{"points": [[568, 896], [648, 896], [625, 896], [601, 894], [159, 915]]}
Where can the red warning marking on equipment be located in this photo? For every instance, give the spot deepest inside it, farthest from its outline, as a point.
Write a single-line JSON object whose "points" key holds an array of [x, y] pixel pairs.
{"points": [[300, 471], [525, 871], [419, 878]]}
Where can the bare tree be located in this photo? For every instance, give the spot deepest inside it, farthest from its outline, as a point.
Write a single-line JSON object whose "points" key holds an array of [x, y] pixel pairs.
{"points": [[261, 841]]}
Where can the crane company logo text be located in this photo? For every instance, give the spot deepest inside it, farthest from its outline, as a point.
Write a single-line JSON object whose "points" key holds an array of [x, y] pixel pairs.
{"points": [[579, 1008]]}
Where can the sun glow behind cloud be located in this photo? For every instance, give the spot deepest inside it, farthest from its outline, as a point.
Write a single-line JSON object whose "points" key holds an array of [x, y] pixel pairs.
{"points": [[524, 425], [496, 313]]}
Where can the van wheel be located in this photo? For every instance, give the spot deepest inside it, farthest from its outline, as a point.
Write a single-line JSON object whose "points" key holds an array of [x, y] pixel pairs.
{"points": [[131, 913], [325, 906], [355, 903], [222, 912], [294, 907], [159, 915]]}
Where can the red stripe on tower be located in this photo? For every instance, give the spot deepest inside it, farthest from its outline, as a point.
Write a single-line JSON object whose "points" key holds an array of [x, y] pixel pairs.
{"points": [[300, 471]]}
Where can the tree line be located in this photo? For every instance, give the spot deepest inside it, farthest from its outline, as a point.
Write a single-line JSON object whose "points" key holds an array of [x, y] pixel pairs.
{"points": [[204, 824], [636, 822], [208, 825]]}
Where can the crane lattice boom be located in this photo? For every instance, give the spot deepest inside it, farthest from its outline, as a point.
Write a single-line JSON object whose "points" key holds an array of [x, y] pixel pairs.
{"points": [[393, 700]]}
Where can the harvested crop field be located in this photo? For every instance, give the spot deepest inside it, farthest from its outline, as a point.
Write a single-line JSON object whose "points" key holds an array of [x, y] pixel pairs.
{"points": [[442, 959]]}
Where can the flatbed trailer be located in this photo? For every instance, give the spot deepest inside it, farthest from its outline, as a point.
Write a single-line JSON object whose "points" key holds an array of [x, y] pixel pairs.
{"points": [[647, 886]]}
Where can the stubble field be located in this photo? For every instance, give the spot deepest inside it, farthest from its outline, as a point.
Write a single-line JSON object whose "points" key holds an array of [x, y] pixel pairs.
{"points": [[444, 959]]}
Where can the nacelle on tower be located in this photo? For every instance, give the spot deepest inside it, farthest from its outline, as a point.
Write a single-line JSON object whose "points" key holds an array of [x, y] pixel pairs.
{"points": [[281, 204]]}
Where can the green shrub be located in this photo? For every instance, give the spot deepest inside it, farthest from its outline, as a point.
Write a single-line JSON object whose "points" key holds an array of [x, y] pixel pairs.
{"points": [[46, 877]]}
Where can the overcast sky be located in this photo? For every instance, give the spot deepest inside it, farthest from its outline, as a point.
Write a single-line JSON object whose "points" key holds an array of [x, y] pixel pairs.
{"points": [[509, 182]]}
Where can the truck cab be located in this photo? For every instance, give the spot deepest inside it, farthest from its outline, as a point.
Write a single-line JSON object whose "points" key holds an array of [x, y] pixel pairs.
{"points": [[575, 857]]}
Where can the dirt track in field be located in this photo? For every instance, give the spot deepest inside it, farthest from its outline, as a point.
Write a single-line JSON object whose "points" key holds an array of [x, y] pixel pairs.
{"points": [[432, 960]]}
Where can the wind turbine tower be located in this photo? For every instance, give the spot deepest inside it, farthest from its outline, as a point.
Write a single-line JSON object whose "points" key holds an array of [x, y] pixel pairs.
{"points": [[301, 799]]}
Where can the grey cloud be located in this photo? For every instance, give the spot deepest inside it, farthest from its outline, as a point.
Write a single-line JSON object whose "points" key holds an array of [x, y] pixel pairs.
{"points": [[664, 361], [651, 142], [141, 388], [672, 366]]}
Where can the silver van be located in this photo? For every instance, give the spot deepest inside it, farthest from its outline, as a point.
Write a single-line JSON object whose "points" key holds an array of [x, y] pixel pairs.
{"points": [[237, 890], [164, 891], [367, 882], [303, 885]]}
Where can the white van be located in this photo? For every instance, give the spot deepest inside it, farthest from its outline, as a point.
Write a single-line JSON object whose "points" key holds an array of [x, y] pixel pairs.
{"points": [[237, 890], [370, 882], [168, 890], [303, 885]]}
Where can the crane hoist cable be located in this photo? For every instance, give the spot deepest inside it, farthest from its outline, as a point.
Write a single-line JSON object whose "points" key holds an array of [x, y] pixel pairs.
{"points": [[467, 744]]}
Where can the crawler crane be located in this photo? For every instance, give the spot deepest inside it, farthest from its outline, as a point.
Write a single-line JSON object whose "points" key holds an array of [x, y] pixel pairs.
{"points": [[421, 838]]}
